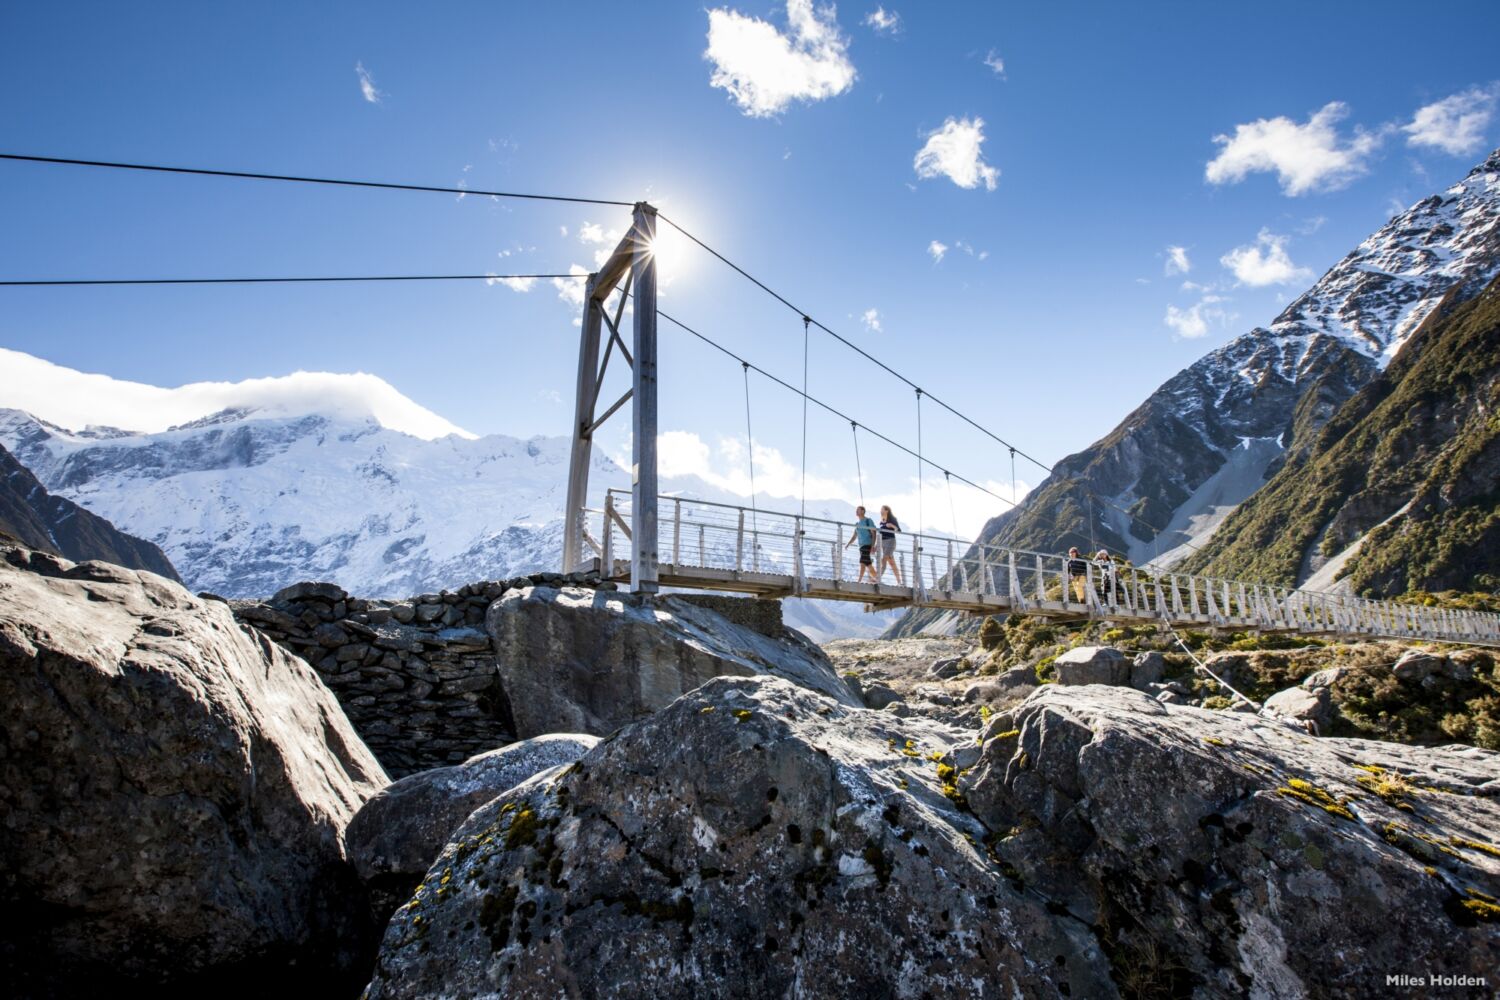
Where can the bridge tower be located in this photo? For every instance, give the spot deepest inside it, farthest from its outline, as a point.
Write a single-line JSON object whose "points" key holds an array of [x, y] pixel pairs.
{"points": [[631, 265]]}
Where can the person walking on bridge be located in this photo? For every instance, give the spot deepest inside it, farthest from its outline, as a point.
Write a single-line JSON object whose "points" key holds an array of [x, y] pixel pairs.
{"points": [[1078, 575], [864, 533], [1106, 575], [889, 526]]}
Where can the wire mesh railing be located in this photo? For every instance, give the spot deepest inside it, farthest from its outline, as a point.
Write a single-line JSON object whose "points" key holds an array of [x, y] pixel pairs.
{"points": [[821, 558]]}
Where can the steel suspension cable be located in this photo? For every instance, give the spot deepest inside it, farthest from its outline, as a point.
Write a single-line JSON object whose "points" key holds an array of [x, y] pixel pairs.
{"points": [[749, 441], [805, 338], [842, 339], [918, 542], [859, 471], [245, 175], [813, 399], [293, 280]]}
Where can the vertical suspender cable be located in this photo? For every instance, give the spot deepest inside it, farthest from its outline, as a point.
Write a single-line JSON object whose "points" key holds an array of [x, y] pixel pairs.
{"points": [[952, 510], [806, 322], [859, 471], [919, 474], [749, 441], [1013, 477]]}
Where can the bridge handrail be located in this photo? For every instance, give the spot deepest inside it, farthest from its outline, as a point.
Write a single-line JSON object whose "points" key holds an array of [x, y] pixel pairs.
{"points": [[957, 566]]}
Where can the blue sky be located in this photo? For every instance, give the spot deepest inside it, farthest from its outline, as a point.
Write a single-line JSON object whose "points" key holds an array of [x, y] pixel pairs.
{"points": [[1050, 314]]}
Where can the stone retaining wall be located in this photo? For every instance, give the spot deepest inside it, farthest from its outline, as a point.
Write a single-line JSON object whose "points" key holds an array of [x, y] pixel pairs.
{"points": [[417, 678]]}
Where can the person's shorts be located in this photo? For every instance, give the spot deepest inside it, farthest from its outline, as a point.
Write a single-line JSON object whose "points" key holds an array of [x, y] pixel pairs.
{"points": [[888, 546], [864, 555]]}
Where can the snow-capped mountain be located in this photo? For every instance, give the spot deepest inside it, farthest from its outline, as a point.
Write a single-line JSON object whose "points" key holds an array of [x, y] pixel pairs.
{"points": [[315, 476], [1159, 484]]}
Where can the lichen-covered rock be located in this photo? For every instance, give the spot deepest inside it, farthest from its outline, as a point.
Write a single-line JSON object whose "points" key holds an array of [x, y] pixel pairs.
{"points": [[1416, 665], [1224, 855], [394, 837], [172, 791], [755, 839], [1092, 665], [1147, 669], [1303, 704], [587, 661]]}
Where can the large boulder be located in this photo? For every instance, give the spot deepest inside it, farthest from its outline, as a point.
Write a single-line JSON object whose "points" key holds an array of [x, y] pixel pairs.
{"points": [[173, 791], [1312, 706], [1218, 854], [393, 839], [754, 839], [586, 661], [1092, 665]]}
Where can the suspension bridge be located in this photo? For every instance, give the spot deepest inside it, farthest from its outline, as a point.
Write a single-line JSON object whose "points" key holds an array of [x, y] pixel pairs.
{"points": [[650, 540]]}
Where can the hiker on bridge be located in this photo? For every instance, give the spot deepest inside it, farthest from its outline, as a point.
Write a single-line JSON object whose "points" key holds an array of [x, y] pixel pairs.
{"points": [[889, 526], [864, 533], [1107, 578], [1078, 575]]}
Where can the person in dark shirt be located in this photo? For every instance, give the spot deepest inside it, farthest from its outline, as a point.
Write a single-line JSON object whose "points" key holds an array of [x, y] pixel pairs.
{"points": [[889, 526], [1078, 574]]}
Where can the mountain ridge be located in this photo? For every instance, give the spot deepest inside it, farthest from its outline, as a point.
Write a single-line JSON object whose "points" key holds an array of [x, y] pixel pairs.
{"points": [[1145, 489]]}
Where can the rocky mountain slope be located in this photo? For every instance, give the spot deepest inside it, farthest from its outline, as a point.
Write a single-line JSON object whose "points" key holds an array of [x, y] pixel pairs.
{"points": [[1401, 490], [59, 526], [1160, 483]]}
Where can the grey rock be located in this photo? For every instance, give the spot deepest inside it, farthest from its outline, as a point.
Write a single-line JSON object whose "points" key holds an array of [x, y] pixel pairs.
{"points": [[899, 709], [574, 660], [395, 836], [1092, 665], [1416, 665], [329, 592], [431, 612], [173, 790], [1146, 669], [1302, 704], [877, 696], [945, 668], [755, 839], [1256, 889], [856, 686], [403, 612], [976, 693], [1017, 680], [1324, 678], [1170, 698]]}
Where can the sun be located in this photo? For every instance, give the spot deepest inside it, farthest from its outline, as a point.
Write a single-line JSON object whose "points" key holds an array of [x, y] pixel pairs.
{"points": [[673, 252]]}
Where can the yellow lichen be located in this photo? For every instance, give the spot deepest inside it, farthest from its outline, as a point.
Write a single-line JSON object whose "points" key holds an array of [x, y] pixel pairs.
{"points": [[1009, 734], [742, 714], [1214, 741], [1306, 791], [1475, 845], [1482, 910], [705, 710]]}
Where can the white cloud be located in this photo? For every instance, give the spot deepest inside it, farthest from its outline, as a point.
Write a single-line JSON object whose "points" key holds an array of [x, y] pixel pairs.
{"points": [[1455, 124], [937, 250], [1194, 321], [570, 290], [1177, 261], [994, 62], [953, 151], [520, 284], [1264, 262], [724, 465], [764, 70], [1308, 157], [367, 84], [75, 399], [590, 232], [871, 320], [886, 22], [563, 231]]}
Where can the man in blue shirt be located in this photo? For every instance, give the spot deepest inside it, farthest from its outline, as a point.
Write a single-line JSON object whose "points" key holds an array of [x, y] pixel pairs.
{"points": [[864, 533]]}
